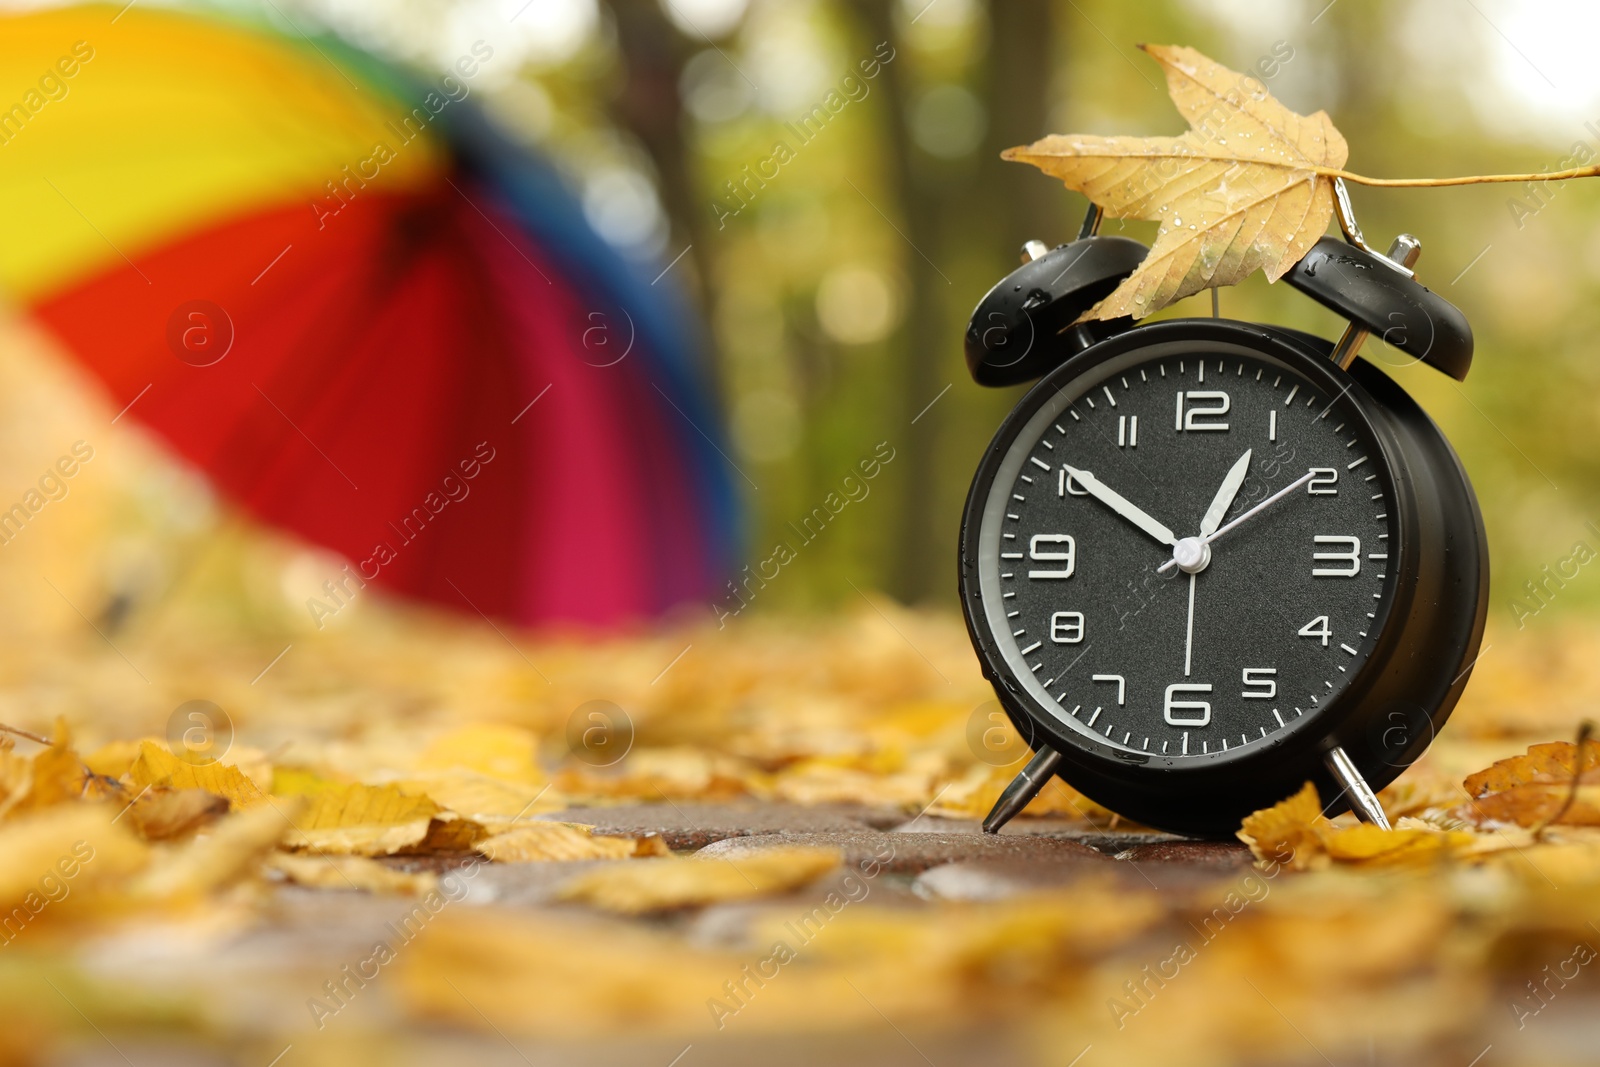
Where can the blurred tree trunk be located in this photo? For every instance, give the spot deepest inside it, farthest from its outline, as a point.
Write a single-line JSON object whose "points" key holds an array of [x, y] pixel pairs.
{"points": [[649, 106], [934, 202], [917, 572], [1021, 202]]}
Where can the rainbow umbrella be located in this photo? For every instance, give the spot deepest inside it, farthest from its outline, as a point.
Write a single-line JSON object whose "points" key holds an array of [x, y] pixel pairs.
{"points": [[363, 311]]}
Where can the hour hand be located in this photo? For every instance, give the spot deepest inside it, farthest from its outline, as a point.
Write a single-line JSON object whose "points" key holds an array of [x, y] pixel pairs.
{"points": [[1121, 505], [1225, 494]]}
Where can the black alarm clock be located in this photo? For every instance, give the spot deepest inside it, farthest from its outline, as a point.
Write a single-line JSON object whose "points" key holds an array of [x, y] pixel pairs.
{"points": [[1204, 561]]}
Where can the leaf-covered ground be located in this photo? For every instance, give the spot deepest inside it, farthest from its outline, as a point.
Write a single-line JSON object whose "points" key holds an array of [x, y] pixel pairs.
{"points": [[421, 845]]}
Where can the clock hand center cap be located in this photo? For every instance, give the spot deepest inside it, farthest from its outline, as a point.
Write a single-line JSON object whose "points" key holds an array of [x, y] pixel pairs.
{"points": [[1192, 555]]}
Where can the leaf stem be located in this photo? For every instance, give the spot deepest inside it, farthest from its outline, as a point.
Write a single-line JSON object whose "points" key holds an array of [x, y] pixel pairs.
{"points": [[4, 729], [1472, 179]]}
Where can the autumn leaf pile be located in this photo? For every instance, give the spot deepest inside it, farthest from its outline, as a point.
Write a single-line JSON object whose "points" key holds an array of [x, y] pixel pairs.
{"points": [[150, 893]]}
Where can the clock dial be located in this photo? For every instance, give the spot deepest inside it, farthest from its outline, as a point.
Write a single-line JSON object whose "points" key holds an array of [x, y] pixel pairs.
{"points": [[1272, 497]]}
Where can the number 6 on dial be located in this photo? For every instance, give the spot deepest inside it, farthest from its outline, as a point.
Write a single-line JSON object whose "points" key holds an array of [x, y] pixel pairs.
{"points": [[1201, 707]]}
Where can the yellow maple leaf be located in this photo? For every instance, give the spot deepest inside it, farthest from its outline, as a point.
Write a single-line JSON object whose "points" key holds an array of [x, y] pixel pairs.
{"points": [[661, 885], [157, 766], [1245, 188]]}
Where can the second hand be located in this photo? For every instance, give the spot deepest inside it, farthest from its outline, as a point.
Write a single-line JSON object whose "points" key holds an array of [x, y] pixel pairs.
{"points": [[1188, 640], [1274, 498]]}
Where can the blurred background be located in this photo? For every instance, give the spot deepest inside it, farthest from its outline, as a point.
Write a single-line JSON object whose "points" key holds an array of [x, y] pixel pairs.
{"points": [[832, 265]]}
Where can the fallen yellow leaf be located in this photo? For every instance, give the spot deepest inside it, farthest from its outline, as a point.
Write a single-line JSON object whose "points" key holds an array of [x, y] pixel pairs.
{"points": [[157, 766], [364, 820], [496, 750], [482, 797], [60, 853], [55, 775], [537, 842], [227, 854], [1410, 843], [1288, 831], [113, 759], [350, 872], [664, 884], [161, 812]]}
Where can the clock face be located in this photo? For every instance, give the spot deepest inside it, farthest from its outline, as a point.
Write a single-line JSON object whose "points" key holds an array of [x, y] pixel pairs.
{"points": [[1132, 465]]}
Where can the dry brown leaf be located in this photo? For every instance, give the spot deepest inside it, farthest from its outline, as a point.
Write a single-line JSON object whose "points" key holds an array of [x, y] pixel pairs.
{"points": [[1530, 789], [350, 872], [538, 842], [162, 812], [1241, 190], [448, 832], [1551, 763], [157, 766], [664, 884]]}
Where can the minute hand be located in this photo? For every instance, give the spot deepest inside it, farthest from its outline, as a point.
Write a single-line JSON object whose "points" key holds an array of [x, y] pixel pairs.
{"points": [[1121, 505]]}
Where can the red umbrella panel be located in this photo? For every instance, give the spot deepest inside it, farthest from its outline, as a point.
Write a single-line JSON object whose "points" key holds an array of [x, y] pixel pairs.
{"points": [[402, 341]]}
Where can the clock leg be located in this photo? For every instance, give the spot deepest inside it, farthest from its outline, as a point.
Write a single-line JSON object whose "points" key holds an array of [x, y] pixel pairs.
{"points": [[1023, 788], [1362, 800]]}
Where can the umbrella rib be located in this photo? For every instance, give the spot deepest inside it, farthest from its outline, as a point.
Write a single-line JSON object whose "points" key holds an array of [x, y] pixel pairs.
{"points": [[501, 232], [309, 441]]}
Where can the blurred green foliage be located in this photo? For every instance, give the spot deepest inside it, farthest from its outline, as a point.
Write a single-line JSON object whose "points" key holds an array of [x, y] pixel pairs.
{"points": [[837, 287]]}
